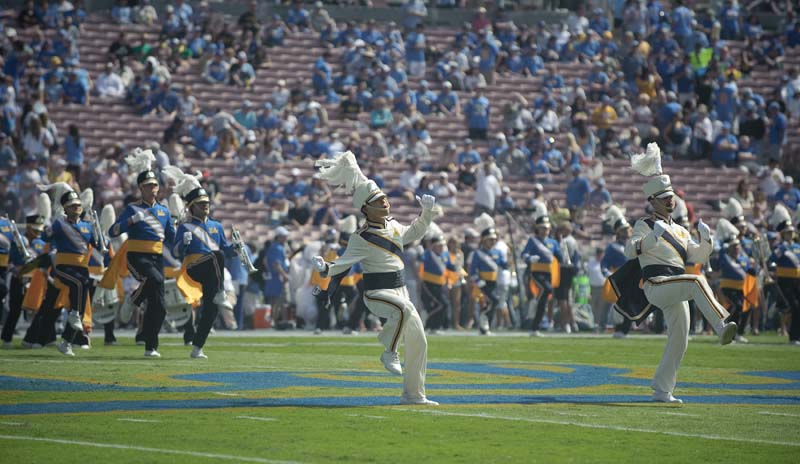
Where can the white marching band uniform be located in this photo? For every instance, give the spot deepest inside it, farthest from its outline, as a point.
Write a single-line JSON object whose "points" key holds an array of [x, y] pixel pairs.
{"points": [[662, 255], [378, 247]]}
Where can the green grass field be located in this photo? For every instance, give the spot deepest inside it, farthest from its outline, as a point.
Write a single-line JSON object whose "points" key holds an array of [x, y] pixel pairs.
{"points": [[327, 399]]}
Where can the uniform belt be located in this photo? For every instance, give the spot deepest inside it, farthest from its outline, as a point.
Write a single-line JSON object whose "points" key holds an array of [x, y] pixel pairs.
{"points": [[384, 280], [488, 276], [145, 246], [4, 260], [788, 272], [661, 270], [732, 284], [72, 259], [540, 267], [437, 279]]}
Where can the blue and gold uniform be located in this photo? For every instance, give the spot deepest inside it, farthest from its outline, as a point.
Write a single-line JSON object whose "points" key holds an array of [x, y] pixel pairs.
{"points": [[202, 248], [738, 284], [149, 228], [436, 269], [16, 292], [786, 257], [6, 244], [484, 268], [542, 257]]}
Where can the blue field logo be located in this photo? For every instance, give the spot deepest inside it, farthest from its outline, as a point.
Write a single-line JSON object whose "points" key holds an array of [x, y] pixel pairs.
{"points": [[449, 383]]}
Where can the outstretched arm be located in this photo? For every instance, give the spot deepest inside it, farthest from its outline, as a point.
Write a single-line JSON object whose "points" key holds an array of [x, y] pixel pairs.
{"points": [[355, 252], [419, 227]]}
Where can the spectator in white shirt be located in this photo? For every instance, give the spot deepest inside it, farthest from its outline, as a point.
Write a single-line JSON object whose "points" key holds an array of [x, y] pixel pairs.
{"points": [[109, 83], [538, 204], [280, 96], [446, 191], [487, 189], [703, 134], [771, 178]]}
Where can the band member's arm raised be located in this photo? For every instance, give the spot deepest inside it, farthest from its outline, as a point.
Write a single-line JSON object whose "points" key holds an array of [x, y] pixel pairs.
{"points": [[699, 252], [419, 226]]}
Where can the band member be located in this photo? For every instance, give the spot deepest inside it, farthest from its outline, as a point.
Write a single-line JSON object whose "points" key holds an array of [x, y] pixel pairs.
{"points": [[149, 228], [202, 247], [346, 295], [661, 248], [487, 262], [786, 256], [734, 283], [328, 252], [35, 246], [613, 259], [542, 254], [378, 246], [73, 239], [436, 268]]}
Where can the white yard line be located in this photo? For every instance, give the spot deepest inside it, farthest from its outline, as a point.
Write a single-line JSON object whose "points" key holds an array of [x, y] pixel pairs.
{"points": [[365, 415], [602, 426], [575, 414], [13, 424], [262, 419], [144, 421], [226, 394], [784, 414], [144, 449]]}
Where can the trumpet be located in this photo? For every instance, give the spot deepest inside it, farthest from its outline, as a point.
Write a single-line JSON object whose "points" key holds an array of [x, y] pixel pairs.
{"points": [[102, 245], [238, 245], [20, 242]]}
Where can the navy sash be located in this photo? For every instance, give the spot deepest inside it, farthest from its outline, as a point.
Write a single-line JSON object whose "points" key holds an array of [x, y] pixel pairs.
{"points": [[669, 239], [383, 243]]}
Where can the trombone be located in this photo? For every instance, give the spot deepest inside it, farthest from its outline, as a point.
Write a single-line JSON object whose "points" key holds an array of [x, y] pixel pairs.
{"points": [[20, 242], [238, 245], [102, 245]]}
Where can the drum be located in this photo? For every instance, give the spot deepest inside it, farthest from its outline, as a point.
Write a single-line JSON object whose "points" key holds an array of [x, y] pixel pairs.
{"points": [[178, 310], [105, 305]]}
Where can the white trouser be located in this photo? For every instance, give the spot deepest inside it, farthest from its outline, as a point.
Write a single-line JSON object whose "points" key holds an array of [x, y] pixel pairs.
{"points": [[672, 295], [402, 321]]}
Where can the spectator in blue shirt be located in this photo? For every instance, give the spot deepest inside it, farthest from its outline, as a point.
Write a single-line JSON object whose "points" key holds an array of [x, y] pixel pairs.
{"points": [[74, 150], [725, 147], [241, 72], [793, 35], [207, 143], [426, 98], [788, 194], [552, 80], [731, 21], [447, 102], [277, 274], [415, 51], [505, 202], [469, 156], [316, 147], [290, 146], [321, 79], [297, 17], [327, 214], [577, 190], [552, 156], [253, 193], [295, 188], [74, 91], [776, 136], [267, 120], [477, 112]]}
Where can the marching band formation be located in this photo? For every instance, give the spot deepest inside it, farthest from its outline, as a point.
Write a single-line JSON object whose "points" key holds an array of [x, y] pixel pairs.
{"points": [[71, 259]]}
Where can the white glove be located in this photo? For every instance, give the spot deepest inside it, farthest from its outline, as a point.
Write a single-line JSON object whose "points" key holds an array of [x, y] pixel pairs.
{"points": [[138, 217], [481, 283], [705, 231], [659, 228], [427, 201], [534, 259], [319, 264], [187, 238]]}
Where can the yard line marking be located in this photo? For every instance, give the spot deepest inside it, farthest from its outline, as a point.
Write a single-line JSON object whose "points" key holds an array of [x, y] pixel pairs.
{"points": [[668, 413], [601, 426], [226, 457], [769, 413], [12, 423], [263, 419], [226, 394], [365, 415], [181, 362], [575, 414], [128, 419]]}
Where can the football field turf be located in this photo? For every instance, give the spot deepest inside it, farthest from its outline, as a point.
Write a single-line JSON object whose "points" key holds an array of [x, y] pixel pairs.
{"points": [[509, 399]]}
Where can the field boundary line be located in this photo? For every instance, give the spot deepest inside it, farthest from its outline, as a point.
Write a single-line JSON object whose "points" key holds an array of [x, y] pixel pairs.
{"points": [[602, 426], [783, 414], [226, 457], [144, 421], [263, 419]]}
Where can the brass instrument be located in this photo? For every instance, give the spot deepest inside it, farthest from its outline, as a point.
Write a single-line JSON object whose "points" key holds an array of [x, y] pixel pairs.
{"points": [[102, 245], [761, 253], [238, 245], [20, 242]]}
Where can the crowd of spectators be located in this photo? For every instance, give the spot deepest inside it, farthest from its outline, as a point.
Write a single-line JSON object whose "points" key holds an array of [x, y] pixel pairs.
{"points": [[654, 71]]}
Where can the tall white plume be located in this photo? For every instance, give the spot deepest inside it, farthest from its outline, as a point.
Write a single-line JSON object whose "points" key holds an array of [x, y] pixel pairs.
{"points": [[434, 231], [184, 183], [733, 209], [483, 222], [726, 230], [613, 214], [176, 206], [56, 191], [44, 206], [649, 162], [342, 171], [87, 199], [348, 225], [779, 215], [107, 217], [140, 160]]}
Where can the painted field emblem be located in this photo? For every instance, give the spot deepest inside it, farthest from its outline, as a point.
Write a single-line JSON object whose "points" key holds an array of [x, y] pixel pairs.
{"points": [[450, 383]]}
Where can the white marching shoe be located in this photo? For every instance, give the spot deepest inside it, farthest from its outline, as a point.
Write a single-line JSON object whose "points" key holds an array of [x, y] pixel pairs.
{"points": [[65, 348], [664, 397], [727, 333], [418, 401], [197, 353], [222, 301], [483, 323], [152, 354], [74, 320], [391, 361]]}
